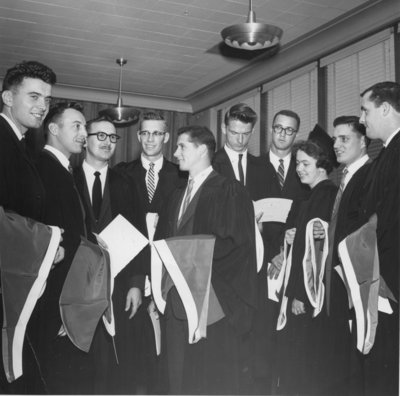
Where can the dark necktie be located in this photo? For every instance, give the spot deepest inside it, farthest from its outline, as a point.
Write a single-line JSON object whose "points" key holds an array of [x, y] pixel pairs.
{"points": [[96, 195], [281, 173], [151, 183], [187, 198], [240, 167]]}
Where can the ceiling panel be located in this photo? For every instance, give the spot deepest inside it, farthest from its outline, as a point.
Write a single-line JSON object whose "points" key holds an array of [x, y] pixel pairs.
{"points": [[170, 44]]}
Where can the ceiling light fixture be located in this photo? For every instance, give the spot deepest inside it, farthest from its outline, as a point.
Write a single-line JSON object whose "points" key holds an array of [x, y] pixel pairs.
{"points": [[251, 35], [121, 115]]}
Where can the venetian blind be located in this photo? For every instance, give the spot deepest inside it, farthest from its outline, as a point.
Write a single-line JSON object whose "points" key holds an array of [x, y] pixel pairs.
{"points": [[354, 69]]}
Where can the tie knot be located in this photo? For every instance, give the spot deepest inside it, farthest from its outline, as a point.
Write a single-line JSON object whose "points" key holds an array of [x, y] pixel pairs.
{"points": [[240, 157], [97, 174], [281, 161], [190, 183], [70, 170], [345, 172], [151, 165]]}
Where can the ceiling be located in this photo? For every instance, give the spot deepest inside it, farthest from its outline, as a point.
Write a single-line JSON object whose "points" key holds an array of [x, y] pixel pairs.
{"points": [[171, 45]]}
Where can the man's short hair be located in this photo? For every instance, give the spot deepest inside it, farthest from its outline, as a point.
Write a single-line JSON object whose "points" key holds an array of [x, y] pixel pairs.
{"points": [[387, 91], [152, 116], [28, 69], [200, 135], [241, 112], [354, 123], [95, 121], [288, 113], [56, 112]]}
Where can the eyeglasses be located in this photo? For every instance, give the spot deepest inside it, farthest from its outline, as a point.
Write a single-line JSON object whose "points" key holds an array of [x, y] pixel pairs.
{"points": [[279, 129], [148, 133], [102, 136]]}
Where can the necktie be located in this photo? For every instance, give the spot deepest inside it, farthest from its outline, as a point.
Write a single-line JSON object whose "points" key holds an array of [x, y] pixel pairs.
{"points": [[187, 198], [96, 195], [70, 170], [151, 184], [281, 173], [331, 236], [339, 194], [240, 167]]}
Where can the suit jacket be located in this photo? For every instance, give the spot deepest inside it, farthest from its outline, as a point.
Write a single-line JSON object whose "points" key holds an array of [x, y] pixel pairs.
{"points": [[221, 207], [256, 173], [170, 177], [119, 198], [292, 189], [21, 189]]}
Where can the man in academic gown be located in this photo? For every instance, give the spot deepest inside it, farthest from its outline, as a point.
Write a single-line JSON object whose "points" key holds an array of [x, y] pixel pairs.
{"points": [[65, 368], [26, 96], [380, 113], [343, 362], [106, 194], [154, 178], [211, 205], [281, 181]]}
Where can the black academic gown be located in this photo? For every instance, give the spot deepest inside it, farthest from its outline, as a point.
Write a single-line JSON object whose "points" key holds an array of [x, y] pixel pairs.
{"points": [[119, 197], [214, 365], [65, 368], [382, 363], [151, 377], [262, 359], [342, 361], [302, 341], [21, 191]]}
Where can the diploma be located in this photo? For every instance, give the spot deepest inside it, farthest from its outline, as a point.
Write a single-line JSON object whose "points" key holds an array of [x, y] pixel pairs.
{"points": [[273, 209], [123, 242]]}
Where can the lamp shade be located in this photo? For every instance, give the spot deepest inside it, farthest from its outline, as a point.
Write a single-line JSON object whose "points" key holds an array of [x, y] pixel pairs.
{"points": [[121, 115], [251, 35]]}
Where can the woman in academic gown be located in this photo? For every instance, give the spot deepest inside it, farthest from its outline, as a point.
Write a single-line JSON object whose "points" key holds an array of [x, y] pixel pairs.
{"points": [[301, 341]]}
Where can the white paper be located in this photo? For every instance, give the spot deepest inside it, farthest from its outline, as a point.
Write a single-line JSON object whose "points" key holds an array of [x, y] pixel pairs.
{"points": [[275, 285], [124, 242], [274, 209]]}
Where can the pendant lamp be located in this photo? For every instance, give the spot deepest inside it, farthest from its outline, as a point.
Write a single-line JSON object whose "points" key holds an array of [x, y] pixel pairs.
{"points": [[121, 115], [250, 35]]}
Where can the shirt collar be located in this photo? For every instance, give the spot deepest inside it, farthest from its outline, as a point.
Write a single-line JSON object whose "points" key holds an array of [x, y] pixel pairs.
{"points": [[356, 165], [13, 126], [389, 139], [89, 168], [199, 178], [157, 163], [59, 155], [234, 155]]}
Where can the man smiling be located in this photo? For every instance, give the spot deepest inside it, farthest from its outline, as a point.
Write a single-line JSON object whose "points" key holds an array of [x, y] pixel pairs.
{"points": [[211, 205]]}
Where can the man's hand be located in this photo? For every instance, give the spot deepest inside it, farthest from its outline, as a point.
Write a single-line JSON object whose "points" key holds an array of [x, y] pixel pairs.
{"points": [[275, 267], [101, 241], [318, 230], [59, 255], [133, 301], [298, 307], [258, 218], [289, 236]]}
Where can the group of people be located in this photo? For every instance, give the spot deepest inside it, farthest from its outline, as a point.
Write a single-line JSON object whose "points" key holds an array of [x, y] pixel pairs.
{"points": [[304, 343]]}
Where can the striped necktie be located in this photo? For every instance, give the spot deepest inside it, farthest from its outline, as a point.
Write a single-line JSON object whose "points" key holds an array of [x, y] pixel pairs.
{"points": [[339, 194], [151, 182], [281, 173], [187, 198]]}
